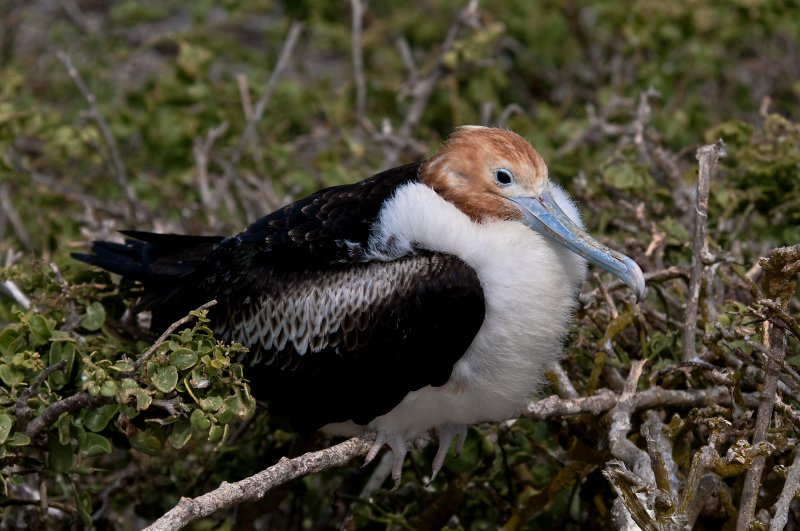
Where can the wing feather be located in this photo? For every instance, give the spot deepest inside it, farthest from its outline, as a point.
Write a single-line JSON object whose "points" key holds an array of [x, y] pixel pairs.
{"points": [[350, 343]]}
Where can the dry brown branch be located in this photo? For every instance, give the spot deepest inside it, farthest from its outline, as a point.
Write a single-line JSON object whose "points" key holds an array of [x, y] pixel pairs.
{"points": [[357, 8], [423, 88], [266, 92], [17, 294], [707, 157], [621, 448], [117, 165], [788, 494], [604, 400], [174, 326], [565, 387], [665, 470], [22, 410], [255, 487], [202, 156], [752, 480], [51, 413], [628, 485], [7, 205]]}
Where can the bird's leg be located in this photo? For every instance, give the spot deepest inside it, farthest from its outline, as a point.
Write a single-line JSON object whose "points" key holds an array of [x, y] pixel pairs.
{"points": [[446, 435], [397, 443]]}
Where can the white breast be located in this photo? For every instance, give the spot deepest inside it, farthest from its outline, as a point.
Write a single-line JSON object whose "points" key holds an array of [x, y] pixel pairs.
{"points": [[530, 285]]}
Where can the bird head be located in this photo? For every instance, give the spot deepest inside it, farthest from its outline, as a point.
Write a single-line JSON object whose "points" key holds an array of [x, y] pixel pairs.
{"points": [[492, 173]]}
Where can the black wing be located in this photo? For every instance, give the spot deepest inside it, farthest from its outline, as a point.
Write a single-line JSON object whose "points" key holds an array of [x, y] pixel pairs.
{"points": [[349, 342], [332, 337]]}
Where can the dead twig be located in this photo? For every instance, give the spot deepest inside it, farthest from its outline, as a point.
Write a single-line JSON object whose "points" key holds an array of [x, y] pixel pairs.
{"points": [[13, 217], [357, 8], [423, 89], [752, 479], [117, 165], [708, 156], [266, 92], [788, 494], [22, 410]]}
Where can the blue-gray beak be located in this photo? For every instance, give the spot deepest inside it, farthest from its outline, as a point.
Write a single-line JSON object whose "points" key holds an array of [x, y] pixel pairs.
{"points": [[543, 214]]}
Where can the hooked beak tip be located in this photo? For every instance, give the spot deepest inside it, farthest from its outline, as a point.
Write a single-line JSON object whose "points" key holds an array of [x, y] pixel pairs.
{"points": [[634, 278]]}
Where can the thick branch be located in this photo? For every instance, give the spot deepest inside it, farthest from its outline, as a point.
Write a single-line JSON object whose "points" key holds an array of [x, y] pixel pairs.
{"points": [[604, 400], [255, 487], [53, 411]]}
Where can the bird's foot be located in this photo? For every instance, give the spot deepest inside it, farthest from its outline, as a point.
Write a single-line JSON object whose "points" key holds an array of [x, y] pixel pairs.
{"points": [[397, 443], [446, 435]]}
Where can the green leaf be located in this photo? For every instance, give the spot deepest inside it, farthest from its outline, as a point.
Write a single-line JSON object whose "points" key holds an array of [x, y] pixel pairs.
{"points": [[199, 420], [18, 439], [231, 407], [94, 444], [41, 330], [143, 399], [123, 366], [469, 457], [166, 378], [5, 426], [61, 457], [109, 388], [9, 336], [9, 376], [94, 318], [97, 420], [215, 433], [61, 351], [180, 434], [83, 501], [213, 403], [146, 442], [183, 359]]}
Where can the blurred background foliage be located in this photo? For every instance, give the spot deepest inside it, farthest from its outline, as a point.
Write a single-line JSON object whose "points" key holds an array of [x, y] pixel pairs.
{"points": [[615, 95]]}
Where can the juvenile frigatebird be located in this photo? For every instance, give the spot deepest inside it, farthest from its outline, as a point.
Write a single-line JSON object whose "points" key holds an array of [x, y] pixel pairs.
{"points": [[428, 297]]}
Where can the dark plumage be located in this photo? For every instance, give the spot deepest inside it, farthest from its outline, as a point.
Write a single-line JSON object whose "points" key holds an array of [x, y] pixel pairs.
{"points": [[399, 315]]}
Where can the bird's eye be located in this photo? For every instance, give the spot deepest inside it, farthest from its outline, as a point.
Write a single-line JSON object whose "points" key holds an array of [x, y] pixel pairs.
{"points": [[503, 177]]}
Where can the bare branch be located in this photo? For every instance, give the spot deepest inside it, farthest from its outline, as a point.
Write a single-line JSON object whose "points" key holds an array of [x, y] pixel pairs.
{"points": [[202, 156], [22, 410], [621, 448], [266, 92], [788, 494], [424, 87], [357, 7], [255, 487], [117, 165], [752, 479], [708, 157], [13, 217], [51, 413], [17, 294], [604, 400]]}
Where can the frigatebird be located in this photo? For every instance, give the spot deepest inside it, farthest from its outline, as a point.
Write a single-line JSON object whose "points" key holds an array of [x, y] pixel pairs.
{"points": [[427, 298]]}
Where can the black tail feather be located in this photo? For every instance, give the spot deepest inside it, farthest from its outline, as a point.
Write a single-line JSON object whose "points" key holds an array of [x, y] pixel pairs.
{"points": [[162, 265]]}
